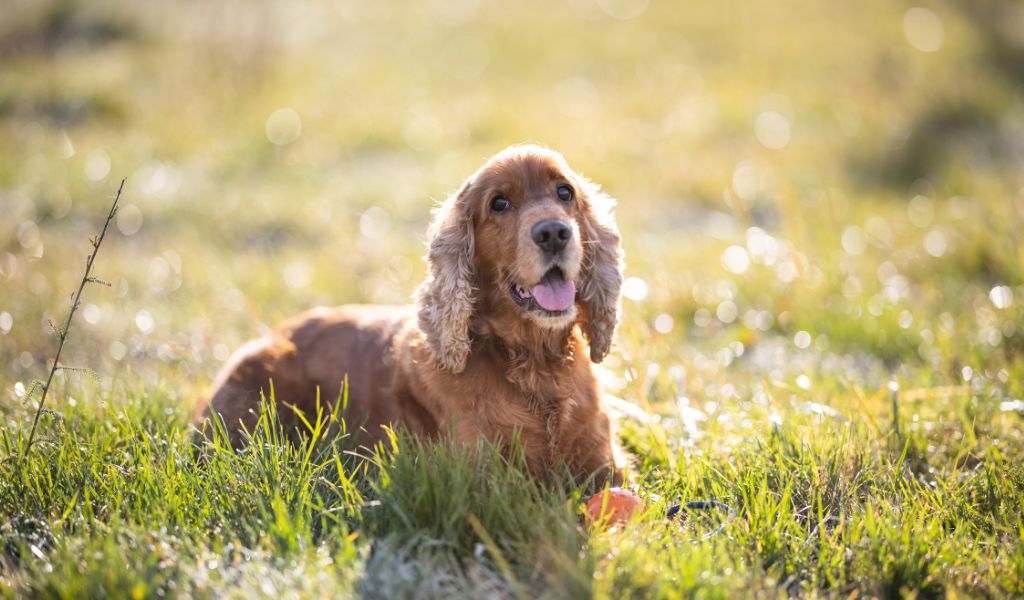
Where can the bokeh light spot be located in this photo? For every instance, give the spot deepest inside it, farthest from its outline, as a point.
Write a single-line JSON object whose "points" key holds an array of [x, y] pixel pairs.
{"points": [[735, 260], [28, 234], [635, 289], [935, 243], [726, 311], [923, 29], [297, 274], [97, 165], [375, 223], [772, 130], [117, 350], [91, 313], [920, 211], [623, 9], [283, 126], [1001, 296], [144, 321], [854, 241], [129, 219], [663, 323]]}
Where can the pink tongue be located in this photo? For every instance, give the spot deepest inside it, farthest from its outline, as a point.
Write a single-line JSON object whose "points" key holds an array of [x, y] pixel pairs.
{"points": [[554, 294]]}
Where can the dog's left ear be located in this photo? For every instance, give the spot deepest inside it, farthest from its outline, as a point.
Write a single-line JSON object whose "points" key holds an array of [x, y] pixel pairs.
{"points": [[447, 297], [602, 271]]}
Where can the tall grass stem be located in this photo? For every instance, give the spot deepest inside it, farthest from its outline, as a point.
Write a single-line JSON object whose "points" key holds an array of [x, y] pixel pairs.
{"points": [[62, 333]]}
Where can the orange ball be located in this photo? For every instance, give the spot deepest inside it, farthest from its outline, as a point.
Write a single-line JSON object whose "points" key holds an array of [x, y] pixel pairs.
{"points": [[619, 506]]}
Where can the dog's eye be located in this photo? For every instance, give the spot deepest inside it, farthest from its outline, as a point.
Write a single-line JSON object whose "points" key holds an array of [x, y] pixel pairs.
{"points": [[564, 193], [500, 204]]}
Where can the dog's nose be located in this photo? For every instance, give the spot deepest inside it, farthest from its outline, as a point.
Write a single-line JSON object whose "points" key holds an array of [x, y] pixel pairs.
{"points": [[551, 236]]}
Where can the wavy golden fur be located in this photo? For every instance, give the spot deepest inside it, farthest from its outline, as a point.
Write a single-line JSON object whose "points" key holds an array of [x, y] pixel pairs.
{"points": [[478, 355]]}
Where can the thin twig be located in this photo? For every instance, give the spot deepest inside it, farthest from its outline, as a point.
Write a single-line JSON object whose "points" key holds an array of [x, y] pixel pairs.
{"points": [[63, 332]]}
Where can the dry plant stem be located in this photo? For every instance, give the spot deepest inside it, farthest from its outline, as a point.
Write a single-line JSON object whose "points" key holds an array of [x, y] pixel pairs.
{"points": [[63, 332]]}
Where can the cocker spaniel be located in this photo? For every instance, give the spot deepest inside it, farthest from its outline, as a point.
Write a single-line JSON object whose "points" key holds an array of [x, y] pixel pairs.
{"points": [[521, 297]]}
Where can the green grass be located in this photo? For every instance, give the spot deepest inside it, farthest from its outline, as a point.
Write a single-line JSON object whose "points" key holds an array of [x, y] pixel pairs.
{"points": [[885, 244]]}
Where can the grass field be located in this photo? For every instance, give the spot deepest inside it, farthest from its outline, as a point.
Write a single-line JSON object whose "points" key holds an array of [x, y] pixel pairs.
{"points": [[822, 206]]}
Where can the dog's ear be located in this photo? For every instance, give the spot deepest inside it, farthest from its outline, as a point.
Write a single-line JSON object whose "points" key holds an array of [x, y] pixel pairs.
{"points": [[602, 271], [447, 297]]}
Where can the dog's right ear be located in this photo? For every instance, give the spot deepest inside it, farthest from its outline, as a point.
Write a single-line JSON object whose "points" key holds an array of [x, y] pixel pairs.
{"points": [[447, 297]]}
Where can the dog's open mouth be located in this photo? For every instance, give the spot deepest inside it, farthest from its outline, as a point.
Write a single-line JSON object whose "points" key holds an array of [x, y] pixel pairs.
{"points": [[552, 296]]}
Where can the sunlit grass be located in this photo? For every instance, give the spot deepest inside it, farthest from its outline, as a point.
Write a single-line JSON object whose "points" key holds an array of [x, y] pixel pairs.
{"points": [[820, 203]]}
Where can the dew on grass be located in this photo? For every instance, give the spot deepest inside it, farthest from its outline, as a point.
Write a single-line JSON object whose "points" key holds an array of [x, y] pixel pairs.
{"points": [[819, 409], [803, 382], [6, 322], [802, 340], [26, 360], [690, 417], [967, 373]]}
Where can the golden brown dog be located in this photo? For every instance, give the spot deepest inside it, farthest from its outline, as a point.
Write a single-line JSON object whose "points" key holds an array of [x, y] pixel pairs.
{"points": [[522, 295]]}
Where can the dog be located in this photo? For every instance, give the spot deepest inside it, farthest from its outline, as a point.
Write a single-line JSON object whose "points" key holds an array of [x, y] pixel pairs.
{"points": [[522, 296]]}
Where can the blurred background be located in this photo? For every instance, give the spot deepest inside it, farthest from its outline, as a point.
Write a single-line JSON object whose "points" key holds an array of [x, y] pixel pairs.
{"points": [[815, 197]]}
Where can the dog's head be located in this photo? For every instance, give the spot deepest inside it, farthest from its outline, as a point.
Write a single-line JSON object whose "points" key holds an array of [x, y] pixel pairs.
{"points": [[524, 238]]}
